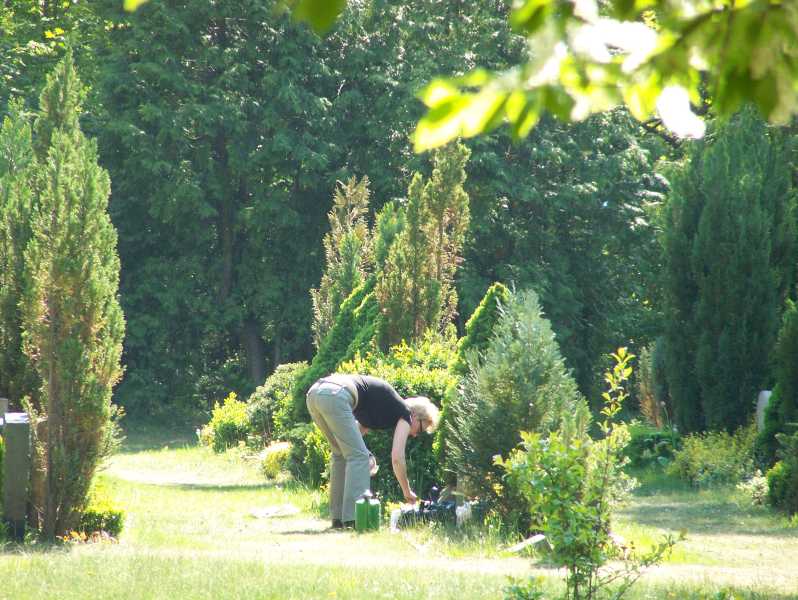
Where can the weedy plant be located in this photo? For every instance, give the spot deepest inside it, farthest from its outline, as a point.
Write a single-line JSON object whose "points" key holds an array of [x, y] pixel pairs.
{"points": [[572, 484]]}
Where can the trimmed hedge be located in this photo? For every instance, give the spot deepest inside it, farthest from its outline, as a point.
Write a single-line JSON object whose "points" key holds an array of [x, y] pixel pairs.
{"points": [[354, 331]]}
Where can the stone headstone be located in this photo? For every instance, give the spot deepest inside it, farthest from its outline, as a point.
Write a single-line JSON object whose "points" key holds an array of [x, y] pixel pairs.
{"points": [[762, 402], [3, 406], [16, 471]]}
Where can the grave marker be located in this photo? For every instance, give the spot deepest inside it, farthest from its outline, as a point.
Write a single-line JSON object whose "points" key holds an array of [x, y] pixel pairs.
{"points": [[16, 469]]}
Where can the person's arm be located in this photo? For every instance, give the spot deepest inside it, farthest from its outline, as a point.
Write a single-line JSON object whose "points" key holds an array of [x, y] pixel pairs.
{"points": [[398, 459]]}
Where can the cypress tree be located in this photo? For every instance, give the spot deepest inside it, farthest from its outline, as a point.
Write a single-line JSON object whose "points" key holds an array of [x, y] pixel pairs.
{"points": [[729, 254], [416, 286], [73, 325]]}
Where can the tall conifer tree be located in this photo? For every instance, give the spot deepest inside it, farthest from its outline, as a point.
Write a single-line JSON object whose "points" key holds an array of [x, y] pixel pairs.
{"points": [[729, 255], [73, 325], [416, 287]]}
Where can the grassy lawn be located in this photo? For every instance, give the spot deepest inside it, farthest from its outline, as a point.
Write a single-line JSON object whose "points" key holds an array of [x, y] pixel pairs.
{"points": [[196, 527]]}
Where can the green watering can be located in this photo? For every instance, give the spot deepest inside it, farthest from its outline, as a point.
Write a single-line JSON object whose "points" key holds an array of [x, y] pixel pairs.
{"points": [[367, 513]]}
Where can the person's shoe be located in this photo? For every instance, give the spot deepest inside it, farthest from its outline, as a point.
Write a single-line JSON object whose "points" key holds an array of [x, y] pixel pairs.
{"points": [[337, 524], [348, 524]]}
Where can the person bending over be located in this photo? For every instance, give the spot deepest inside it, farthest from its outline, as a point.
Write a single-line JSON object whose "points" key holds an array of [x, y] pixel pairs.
{"points": [[346, 407]]}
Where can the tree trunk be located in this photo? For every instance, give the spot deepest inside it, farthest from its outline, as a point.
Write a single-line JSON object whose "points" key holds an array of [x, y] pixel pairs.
{"points": [[255, 349]]}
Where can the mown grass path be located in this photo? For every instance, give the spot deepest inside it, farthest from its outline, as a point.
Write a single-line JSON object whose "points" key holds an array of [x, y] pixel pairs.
{"points": [[196, 527]]}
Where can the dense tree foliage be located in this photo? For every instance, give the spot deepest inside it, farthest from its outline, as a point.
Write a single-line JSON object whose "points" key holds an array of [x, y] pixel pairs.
{"points": [[730, 263], [569, 213]]}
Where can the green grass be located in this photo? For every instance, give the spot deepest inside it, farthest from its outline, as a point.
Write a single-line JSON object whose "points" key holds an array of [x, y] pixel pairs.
{"points": [[191, 531]]}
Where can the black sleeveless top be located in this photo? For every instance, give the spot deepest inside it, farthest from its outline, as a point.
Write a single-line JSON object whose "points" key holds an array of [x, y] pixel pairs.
{"points": [[378, 404]]}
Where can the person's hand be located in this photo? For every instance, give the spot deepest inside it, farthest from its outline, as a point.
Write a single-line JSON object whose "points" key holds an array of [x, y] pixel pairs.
{"points": [[410, 497], [373, 466]]}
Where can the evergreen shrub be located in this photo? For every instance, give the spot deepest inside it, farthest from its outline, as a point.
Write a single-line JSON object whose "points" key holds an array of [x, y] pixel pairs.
{"points": [[275, 459], [421, 370], [310, 455], [521, 384], [783, 476], [229, 424], [717, 457], [478, 331], [269, 408]]}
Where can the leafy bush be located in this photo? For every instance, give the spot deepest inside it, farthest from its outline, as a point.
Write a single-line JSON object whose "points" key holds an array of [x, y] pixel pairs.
{"points": [[310, 455], [783, 476], [269, 408], [101, 514], [412, 371], [102, 517], [521, 384], [716, 457], [651, 446], [228, 425], [275, 459]]}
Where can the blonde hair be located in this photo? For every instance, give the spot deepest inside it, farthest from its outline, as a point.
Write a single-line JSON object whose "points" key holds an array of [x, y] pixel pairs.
{"points": [[423, 408]]}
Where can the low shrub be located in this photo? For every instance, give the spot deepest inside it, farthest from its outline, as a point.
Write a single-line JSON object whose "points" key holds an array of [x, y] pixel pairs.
{"points": [[269, 408], [274, 459], [309, 457], [101, 514], [650, 446], [716, 457], [755, 489], [229, 424], [103, 518], [783, 476]]}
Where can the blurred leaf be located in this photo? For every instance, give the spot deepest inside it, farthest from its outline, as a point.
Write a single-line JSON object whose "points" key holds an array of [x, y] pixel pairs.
{"points": [[132, 5], [320, 14]]}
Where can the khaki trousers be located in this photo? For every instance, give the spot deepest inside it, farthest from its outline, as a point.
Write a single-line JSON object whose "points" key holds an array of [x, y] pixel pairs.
{"points": [[330, 406]]}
